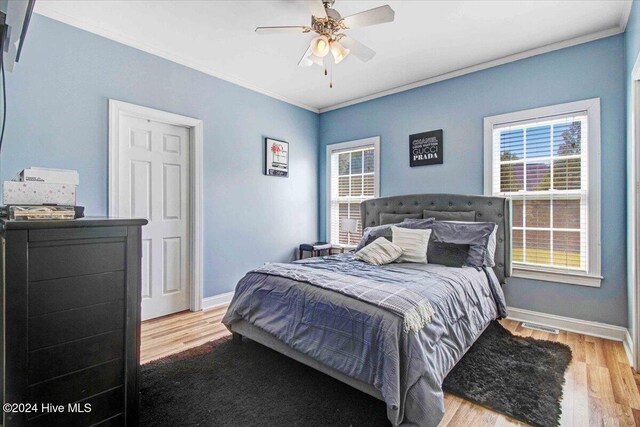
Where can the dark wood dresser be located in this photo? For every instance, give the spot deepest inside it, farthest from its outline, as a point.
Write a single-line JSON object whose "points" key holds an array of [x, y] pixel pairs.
{"points": [[71, 321]]}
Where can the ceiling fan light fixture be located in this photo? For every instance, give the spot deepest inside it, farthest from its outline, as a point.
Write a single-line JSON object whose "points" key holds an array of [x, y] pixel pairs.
{"points": [[316, 60], [305, 62], [320, 46], [339, 52]]}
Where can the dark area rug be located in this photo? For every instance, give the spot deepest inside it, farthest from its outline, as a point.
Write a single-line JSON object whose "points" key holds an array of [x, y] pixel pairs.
{"points": [[223, 384], [520, 377]]}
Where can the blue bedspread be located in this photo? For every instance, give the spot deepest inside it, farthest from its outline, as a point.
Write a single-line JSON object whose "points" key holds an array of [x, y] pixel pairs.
{"points": [[368, 342]]}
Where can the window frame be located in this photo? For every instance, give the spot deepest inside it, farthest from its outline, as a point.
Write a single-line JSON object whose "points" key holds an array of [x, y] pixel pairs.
{"points": [[593, 276], [347, 146]]}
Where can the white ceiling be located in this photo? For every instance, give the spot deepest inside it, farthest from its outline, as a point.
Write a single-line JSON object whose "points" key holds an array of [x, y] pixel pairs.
{"points": [[428, 41]]}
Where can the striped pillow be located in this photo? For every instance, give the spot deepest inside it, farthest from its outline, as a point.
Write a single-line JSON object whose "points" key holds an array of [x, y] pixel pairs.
{"points": [[381, 251], [413, 243]]}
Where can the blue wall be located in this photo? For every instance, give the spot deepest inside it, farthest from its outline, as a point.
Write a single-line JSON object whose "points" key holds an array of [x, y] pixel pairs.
{"points": [[631, 51], [57, 117], [458, 106]]}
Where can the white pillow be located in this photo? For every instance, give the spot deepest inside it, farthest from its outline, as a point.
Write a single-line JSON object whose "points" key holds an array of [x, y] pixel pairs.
{"points": [[381, 251], [413, 243]]}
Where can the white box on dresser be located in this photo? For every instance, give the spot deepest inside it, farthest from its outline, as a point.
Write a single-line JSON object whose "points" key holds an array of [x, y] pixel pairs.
{"points": [[58, 176], [38, 193]]}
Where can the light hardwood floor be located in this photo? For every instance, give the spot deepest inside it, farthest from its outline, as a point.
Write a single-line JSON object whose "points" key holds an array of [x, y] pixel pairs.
{"points": [[600, 389]]}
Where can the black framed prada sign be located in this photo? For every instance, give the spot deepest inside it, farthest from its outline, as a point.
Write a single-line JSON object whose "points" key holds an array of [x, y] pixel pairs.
{"points": [[425, 148]]}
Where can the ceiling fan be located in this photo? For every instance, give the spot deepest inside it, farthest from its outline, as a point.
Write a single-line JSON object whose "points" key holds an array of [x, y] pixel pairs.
{"points": [[329, 26]]}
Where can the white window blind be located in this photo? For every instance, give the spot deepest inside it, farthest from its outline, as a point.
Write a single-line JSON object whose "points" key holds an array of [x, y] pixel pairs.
{"points": [[542, 162], [353, 169]]}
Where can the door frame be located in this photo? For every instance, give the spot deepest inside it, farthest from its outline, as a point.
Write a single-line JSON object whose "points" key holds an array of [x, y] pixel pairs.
{"points": [[196, 142], [633, 219]]}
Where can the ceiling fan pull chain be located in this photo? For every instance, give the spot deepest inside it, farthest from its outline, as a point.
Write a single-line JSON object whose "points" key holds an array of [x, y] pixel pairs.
{"points": [[331, 76]]}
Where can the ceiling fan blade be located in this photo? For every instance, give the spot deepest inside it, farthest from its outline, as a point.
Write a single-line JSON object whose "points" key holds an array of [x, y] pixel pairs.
{"points": [[305, 61], [379, 15], [357, 49], [317, 8], [283, 29]]}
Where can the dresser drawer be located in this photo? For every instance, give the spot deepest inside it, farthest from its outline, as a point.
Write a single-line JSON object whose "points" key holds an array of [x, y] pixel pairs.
{"points": [[49, 296], [51, 362], [54, 262], [80, 384], [69, 325]]}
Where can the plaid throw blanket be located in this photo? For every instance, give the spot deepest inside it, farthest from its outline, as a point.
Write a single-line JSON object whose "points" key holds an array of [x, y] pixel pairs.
{"points": [[383, 286]]}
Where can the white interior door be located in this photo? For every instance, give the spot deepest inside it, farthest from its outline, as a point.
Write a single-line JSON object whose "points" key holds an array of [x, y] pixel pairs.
{"points": [[634, 232], [153, 183]]}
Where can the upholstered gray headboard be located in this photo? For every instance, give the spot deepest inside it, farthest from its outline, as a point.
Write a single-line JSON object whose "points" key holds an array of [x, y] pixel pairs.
{"points": [[487, 208]]}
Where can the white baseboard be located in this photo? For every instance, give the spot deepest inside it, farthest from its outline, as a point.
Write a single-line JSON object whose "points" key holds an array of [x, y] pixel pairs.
{"points": [[628, 348], [217, 300], [585, 327]]}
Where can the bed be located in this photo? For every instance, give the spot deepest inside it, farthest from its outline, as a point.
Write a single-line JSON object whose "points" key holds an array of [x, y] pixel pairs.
{"points": [[368, 346]]}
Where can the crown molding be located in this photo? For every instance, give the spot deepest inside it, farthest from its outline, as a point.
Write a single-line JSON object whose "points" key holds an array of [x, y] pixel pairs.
{"points": [[482, 66], [624, 20], [44, 10]]}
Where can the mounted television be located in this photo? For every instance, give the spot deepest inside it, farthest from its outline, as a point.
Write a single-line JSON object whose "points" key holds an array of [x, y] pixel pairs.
{"points": [[17, 14]]}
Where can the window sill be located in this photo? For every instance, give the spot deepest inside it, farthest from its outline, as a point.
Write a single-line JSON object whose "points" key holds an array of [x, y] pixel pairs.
{"points": [[555, 276]]}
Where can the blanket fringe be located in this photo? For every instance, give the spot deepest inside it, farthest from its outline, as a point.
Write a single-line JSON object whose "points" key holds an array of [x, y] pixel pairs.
{"points": [[418, 317]]}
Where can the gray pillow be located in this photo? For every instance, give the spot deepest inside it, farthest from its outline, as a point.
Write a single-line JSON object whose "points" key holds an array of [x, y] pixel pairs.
{"points": [[417, 223], [448, 254], [392, 218], [455, 244], [370, 234], [478, 235], [450, 215]]}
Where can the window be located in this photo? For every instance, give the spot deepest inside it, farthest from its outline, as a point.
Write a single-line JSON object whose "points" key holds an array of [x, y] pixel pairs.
{"points": [[547, 161], [352, 171]]}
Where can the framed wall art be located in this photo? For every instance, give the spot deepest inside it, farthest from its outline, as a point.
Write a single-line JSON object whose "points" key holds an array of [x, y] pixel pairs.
{"points": [[276, 158], [426, 148]]}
